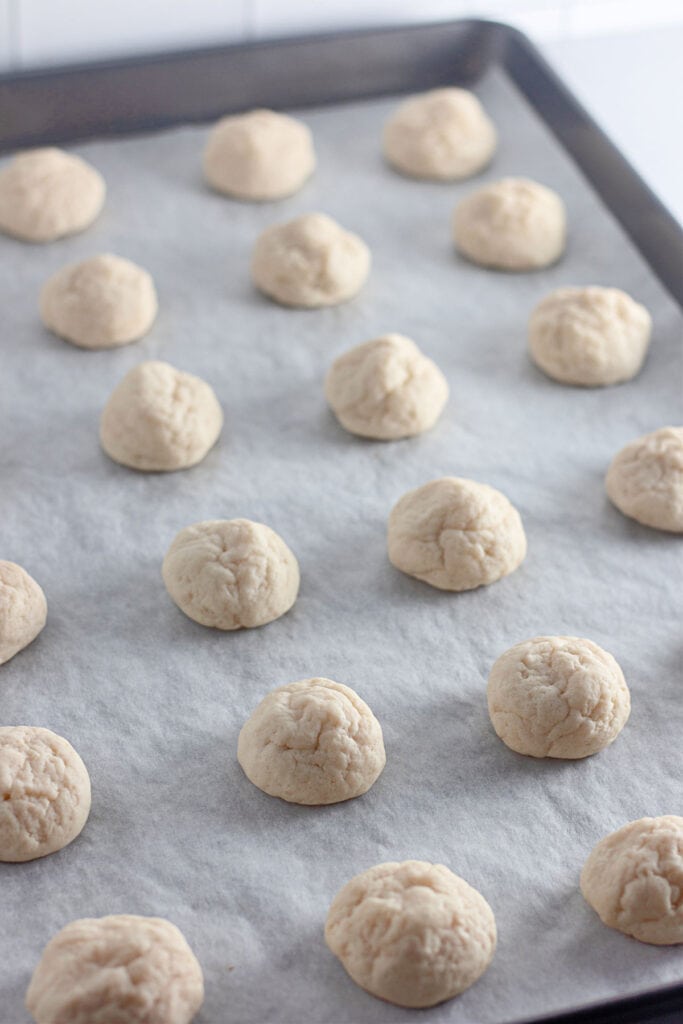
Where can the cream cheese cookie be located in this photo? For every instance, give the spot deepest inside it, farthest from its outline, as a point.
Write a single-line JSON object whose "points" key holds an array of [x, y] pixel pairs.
{"points": [[23, 610], [645, 479]]}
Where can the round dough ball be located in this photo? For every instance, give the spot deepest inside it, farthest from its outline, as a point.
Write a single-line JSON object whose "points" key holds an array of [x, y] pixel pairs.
{"points": [[456, 534], [259, 155], [634, 878], [441, 135], [45, 793], [386, 389], [114, 969], [589, 336], [231, 573], [512, 224], [23, 610], [312, 742], [102, 302], [159, 419], [309, 262], [47, 193], [645, 479], [414, 933], [557, 696]]}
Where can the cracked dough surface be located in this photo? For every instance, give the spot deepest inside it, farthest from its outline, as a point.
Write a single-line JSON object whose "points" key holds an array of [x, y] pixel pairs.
{"points": [[312, 742], [412, 933], [122, 969], [633, 879], [645, 479], [23, 610], [159, 418], [45, 790], [557, 696], [455, 534]]}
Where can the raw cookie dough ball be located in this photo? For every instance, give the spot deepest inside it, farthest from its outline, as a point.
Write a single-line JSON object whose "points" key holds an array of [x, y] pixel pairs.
{"points": [[589, 336], [231, 573], [47, 193], [159, 418], [455, 534], [557, 696], [312, 742], [259, 155], [442, 135], [386, 389], [102, 302], [645, 479], [45, 793], [23, 610], [512, 224], [414, 933], [309, 262], [634, 879], [111, 970]]}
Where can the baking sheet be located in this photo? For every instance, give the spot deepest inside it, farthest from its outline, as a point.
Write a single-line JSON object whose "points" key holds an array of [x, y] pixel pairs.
{"points": [[154, 702]]}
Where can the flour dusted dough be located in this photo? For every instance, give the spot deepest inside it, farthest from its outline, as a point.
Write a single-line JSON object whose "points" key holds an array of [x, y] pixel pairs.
{"points": [[45, 791], [455, 534], [111, 970], [159, 418], [634, 880], [102, 302], [231, 573], [23, 610], [511, 224], [386, 389], [413, 933], [645, 479], [47, 193], [443, 135], [260, 155], [309, 261]]}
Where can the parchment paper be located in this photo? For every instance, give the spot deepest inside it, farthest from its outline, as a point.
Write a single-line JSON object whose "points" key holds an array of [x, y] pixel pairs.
{"points": [[154, 702]]}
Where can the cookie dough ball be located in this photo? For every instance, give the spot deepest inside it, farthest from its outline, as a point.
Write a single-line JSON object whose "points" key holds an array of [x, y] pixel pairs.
{"points": [[47, 193], [456, 534], [557, 696], [114, 969], [312, 742], [23, 610], [310, 262], [103, 302], [259, 155], [45, 793], [645, 479], [386, 389], [160, 419], [634, 878], [512, 224], [231, 573], [441, 135], [414, 933]]}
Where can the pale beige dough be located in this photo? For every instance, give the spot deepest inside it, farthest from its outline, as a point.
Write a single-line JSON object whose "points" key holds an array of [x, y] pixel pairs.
{"points": [[309, 262], [45, 790], [259, 155], [231, 573], [102, 302], [557, 696], [47, 193], [160, 419], [441, 135], [511, 224], [413, 933], [455, 534], [312, 742], [645, 479], [633, 879], [122, 969], [386, 389], [23, 610]]}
